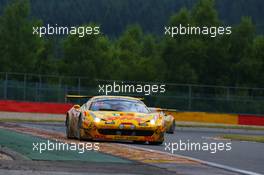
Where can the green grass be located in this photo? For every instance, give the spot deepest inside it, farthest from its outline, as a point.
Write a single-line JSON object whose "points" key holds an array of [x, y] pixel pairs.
{"points": [[177, 124], [220, 126], [23, 144], [30, 120], [250, 138]]}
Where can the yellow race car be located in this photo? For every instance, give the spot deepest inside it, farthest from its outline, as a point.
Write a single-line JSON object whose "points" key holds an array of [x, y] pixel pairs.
{"points": [[169, 119], [115, 118]]}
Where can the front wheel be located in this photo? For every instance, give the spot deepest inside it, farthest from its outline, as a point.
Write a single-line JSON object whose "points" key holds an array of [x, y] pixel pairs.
{"points": [[139, 142], [68, 131], [79, 128], [172, 128], [156, 143]]}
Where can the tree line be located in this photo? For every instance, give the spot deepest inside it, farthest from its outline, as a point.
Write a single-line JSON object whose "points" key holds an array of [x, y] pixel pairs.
{"points": [[231, 60], [115, 15]]}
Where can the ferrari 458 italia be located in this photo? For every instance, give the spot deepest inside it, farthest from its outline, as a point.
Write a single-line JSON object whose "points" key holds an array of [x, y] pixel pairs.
{"points": [[115, 118]]}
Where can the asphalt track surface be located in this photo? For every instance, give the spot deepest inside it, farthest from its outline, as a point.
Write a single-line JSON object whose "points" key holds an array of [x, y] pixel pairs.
{"points": [[247, 156]]}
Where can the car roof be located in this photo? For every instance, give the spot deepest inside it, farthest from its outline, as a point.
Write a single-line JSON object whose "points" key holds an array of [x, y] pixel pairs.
{"points": [[117, 97], [155, 109]]}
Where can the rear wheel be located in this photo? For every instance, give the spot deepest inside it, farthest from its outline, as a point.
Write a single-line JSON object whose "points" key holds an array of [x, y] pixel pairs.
{"points": [[172, 128], [79, 128], [156, 143], [68, 131]]}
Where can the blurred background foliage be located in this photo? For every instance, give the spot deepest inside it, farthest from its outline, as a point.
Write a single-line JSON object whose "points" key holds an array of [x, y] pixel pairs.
{"points": [[132, 45]]}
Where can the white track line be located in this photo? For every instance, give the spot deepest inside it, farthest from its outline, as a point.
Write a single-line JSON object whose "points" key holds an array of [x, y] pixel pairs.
{"points": [[240, 171]]}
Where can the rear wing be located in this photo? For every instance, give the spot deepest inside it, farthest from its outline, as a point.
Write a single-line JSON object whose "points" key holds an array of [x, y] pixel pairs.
{"points": [[167, 111], [67, 97], [87, 97]]}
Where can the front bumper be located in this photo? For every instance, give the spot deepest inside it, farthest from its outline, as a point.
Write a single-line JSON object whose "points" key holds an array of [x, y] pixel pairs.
{"points": [[101, 131]]}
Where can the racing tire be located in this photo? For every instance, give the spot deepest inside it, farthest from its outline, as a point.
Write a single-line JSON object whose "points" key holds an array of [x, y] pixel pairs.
{"points": [[172, 128], [78, 130], [156, 143], [139, 142], [68, 130]]}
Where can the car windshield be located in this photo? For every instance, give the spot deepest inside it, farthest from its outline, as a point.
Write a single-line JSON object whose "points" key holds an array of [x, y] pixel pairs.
{"points": [[153, 110], [119, 105]]}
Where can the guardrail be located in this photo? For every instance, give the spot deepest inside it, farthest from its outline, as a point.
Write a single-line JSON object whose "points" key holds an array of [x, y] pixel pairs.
{"points": [[202, 117], [215, 118], [185, 97]]}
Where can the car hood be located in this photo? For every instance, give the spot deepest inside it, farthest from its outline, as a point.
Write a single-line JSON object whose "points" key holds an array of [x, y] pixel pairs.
{"points": [[123, 116]]}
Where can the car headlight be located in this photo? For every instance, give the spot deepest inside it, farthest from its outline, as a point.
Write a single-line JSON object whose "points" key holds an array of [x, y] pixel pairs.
{"points": [[152, 122], [97, 120], [143, 124]]}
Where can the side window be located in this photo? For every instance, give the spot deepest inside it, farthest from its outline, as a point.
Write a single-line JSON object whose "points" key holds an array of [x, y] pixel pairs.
{"points": [[82, 107], [85, 106]]}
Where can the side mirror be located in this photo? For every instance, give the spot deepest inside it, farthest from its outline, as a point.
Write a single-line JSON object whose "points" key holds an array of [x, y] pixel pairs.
{"points": [[76, 106]]}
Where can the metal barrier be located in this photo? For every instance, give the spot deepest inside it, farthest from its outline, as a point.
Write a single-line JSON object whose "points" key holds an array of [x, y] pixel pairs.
{"points": [[185, 97]]}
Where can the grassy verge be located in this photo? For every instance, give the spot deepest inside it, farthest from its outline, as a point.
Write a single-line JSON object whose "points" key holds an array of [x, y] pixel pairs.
{"points": [[30, 120], [251, 138], [220, 126], [177, 124]]}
